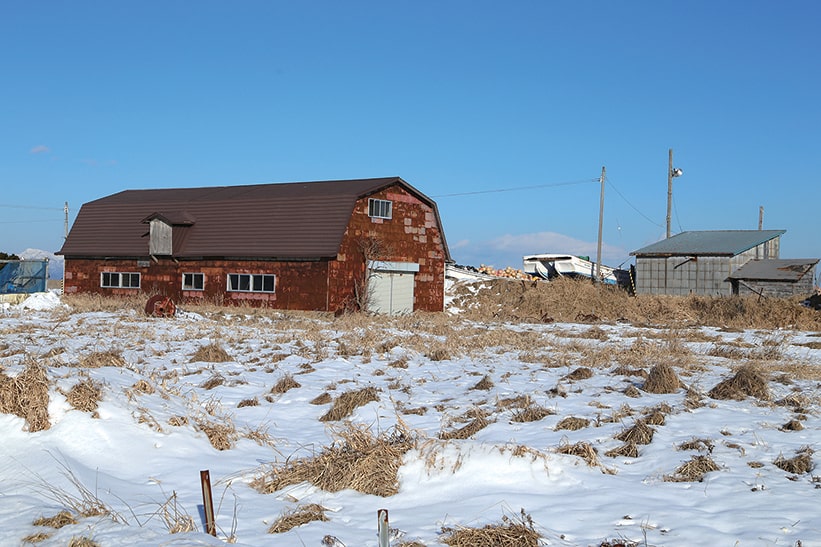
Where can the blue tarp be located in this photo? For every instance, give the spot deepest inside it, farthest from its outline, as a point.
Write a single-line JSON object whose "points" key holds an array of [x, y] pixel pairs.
{"points": [[23, 276]]}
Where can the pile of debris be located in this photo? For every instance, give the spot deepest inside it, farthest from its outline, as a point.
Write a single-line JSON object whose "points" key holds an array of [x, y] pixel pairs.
{"points": [[508, 272]]}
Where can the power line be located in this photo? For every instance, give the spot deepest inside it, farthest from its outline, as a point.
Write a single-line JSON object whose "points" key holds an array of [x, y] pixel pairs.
{"points": [[517, 188], [648, 219], [31, 207]]}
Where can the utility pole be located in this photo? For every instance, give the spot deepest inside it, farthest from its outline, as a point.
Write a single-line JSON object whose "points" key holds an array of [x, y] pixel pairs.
{"points": [[65, 222], [671, 174], [761, 217], [597, 277]]}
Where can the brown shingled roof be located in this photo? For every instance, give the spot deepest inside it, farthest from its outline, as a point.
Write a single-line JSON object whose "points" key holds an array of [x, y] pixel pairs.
{"points": [[300, 220]]}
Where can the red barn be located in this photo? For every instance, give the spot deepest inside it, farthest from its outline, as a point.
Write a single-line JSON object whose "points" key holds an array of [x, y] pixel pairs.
{"points": [[374, 244]]}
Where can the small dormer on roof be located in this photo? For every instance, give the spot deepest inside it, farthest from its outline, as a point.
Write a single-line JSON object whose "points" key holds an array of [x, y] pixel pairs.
{"points": [[160, 232]]}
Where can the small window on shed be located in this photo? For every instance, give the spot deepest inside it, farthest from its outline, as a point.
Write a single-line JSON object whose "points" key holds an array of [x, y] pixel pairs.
{"points": [[380, 208]]}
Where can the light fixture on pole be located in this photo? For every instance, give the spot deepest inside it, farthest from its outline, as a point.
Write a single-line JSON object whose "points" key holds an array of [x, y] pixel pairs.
{"points": [[671, 174]]}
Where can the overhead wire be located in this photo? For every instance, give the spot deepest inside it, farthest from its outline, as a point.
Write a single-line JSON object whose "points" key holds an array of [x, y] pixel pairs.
{"points": [[627, 201], [517, 188]]}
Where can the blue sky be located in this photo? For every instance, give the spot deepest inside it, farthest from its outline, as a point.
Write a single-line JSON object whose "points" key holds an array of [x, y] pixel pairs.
{"points": [[515, 107]]}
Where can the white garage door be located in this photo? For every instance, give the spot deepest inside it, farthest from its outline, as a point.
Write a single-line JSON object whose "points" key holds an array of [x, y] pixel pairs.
{"points": [[390, 289]]}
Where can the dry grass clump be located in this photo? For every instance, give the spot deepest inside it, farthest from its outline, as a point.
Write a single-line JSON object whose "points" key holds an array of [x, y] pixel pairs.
{"points": [[799, 464], [572, 423], [626, 450], [484, 384], [284, 384], [748, 381], [221, 434], [581, 373], [345, 404], [26, 396], [248, 402], [63, 518], [478, 423], [175, 517], [82, 542], [356, 459], [85, 395], [321, 399], [214, 381], [693, 470], [532, 413], [792, 425], [297, 517], [143, 386], [639, 433], [513, 532], [705, 445], [210, 353], [582, 450], [662, 379], [36, 538], [99, 359]]}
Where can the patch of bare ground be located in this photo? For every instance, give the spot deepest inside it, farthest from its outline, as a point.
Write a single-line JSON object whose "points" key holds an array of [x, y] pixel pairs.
{"points": [[26, 396], [748, 381], [356, 459], [345, 404], [512, 532], [297, 517]]}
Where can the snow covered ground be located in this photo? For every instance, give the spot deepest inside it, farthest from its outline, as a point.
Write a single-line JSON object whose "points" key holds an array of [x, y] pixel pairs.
{"points": [[141, 451]]}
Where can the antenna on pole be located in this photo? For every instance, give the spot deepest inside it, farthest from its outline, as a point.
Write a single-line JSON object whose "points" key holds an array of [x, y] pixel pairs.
{"points": [[65, 222]]}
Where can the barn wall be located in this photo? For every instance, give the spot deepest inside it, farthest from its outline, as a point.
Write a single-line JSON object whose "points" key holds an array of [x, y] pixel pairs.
{"points": [[411, 235], [299, 285]]}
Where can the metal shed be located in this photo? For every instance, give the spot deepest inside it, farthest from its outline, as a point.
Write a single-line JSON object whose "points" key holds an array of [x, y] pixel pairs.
{"points": [[700, 262], [779, 278]]}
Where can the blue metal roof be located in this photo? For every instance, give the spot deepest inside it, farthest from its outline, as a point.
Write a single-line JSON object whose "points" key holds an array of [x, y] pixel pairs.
{"points": [[709, 243]]}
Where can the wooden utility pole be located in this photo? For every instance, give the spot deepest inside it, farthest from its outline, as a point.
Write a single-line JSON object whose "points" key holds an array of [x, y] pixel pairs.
{"points": [[597, 277], [761, 217], [669, 188]]}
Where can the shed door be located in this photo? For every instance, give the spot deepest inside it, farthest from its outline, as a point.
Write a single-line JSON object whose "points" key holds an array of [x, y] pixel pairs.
{"points": [[390, 292]]}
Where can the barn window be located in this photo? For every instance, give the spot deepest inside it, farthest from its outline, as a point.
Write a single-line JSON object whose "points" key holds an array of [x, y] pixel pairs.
{"points": [[193, 281], [120, 280], [251, 282], [380, 208]]}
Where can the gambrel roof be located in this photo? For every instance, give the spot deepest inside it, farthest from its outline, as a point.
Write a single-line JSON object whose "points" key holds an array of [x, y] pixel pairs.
{"points": [[298, 221], [708, 243]]}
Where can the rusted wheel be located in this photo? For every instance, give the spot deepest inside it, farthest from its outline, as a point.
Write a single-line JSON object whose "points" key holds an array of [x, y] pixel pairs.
{"points": [[160, 306]]}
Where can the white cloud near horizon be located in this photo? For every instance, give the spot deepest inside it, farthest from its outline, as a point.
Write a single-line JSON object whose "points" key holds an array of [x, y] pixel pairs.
{"points": [[40, 149]]}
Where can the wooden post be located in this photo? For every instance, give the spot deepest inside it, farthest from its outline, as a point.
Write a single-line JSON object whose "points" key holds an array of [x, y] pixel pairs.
{"points": [[207, 503], [383, 530], [598, 277], [669, 188]]}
